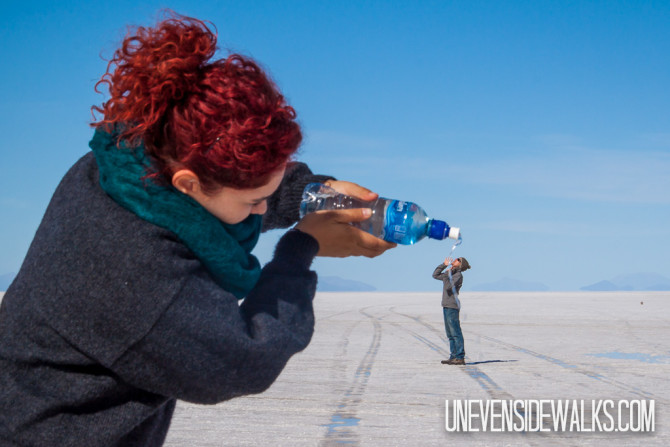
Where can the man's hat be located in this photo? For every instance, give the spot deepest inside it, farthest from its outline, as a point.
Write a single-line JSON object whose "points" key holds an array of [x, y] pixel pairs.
{"points": [[464, 264]]}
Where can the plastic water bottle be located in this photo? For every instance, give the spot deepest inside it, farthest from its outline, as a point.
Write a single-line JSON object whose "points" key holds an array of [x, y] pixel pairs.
{"points": [[392, 220]]}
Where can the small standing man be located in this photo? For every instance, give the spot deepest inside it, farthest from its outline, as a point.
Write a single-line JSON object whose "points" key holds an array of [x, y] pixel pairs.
{"points": [[452, 279]]}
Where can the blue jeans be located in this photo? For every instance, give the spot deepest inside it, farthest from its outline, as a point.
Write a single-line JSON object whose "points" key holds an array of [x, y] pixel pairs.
{"points": [[452, 325]]}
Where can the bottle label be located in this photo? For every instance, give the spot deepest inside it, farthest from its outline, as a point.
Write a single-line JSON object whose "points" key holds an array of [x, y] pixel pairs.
{"points": [[397, 217]]}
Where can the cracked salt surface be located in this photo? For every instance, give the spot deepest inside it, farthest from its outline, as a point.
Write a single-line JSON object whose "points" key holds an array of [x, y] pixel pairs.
{"points": [[372, 374]]}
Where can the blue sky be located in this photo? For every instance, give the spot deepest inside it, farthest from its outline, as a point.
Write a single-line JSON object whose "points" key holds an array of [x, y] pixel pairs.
{"points": [[540, 128]]}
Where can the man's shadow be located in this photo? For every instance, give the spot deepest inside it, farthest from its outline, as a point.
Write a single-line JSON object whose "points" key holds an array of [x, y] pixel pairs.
{"points": [[490, 361]]}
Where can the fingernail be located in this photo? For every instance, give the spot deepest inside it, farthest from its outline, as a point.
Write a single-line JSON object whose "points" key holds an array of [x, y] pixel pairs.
{"points": [[367, 212]]}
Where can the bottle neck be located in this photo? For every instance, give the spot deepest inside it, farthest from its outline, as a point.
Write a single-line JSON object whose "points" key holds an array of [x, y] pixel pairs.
{"points": [[437, 229]]}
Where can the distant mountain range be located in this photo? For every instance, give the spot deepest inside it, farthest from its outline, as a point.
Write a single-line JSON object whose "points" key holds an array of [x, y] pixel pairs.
{"points": [[337, 284], [510, 285], [325, 284], [632, 281]]}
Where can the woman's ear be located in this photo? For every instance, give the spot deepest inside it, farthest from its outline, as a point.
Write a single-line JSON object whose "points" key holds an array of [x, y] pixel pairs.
{"points": [[186, 182]]}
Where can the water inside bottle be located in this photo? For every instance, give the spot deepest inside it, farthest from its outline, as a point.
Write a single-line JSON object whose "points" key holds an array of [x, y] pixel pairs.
{"points": [[321, 197], [318, 197]]}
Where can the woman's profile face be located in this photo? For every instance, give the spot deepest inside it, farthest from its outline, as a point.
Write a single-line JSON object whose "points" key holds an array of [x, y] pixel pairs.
{"points": [[231, 205]]}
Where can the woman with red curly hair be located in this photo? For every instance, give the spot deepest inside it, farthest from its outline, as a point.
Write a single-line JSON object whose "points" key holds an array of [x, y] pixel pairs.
{"points": [[128, 297]]}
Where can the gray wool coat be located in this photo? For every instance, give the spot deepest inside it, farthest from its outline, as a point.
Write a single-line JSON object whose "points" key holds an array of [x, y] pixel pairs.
{"points": [[111, 319]]}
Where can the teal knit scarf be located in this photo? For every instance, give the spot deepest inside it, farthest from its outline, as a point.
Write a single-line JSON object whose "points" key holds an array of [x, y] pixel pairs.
{"points": [[224, 249]]}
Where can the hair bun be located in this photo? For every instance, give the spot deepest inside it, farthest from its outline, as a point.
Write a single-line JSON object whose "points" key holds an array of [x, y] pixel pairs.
{"points": [[155, 67], [170, 56]]}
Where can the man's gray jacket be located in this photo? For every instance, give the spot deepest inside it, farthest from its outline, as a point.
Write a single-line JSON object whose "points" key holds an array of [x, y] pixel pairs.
{"points": [[448, 286]]}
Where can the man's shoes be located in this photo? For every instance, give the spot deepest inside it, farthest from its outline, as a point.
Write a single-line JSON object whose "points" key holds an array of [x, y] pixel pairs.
{"points": [[454, 362]]}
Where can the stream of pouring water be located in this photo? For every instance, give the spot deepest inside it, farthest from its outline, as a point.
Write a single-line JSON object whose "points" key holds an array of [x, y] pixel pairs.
{"points": [[453, 286]]}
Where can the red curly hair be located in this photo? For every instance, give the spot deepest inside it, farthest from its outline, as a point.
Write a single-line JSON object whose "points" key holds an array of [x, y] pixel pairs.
{"points": [[225, 120]]}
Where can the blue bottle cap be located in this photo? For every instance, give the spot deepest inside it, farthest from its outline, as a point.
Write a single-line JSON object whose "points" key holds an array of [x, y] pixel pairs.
{"points": [[438, 229]]}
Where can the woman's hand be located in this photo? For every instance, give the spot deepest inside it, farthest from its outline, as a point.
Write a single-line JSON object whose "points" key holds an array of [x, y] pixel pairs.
{"points": [[332, 229], [352, 189], [337, 238]]}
